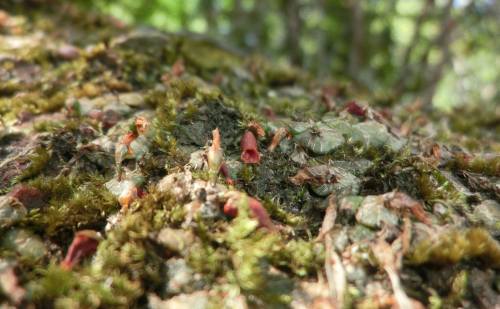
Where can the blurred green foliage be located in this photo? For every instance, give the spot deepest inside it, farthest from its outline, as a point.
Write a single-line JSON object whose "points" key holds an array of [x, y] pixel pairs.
{"points": [[440, 51]]}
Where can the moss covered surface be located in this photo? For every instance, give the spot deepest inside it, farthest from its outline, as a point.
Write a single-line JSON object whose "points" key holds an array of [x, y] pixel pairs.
{"points": [[107, 128]]}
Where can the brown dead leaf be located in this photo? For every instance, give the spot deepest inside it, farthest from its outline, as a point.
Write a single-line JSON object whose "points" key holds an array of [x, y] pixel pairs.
{"points": [[402, 202], [278, 136], [316, 175], [256, 128]]}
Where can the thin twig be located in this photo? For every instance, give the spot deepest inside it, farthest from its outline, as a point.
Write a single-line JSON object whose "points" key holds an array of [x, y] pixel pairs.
{"points": [[335, 273]]}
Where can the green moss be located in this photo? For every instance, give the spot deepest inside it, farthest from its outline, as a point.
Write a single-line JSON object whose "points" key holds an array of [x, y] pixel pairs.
{"points": [[247, 173], [32, 102], [39, 160], [455, 245], [129, 251], [59, 288], [433, 186], [459, 289], [489, 166], [302, 257], [278, 212], [73, 203], [207, 260], [206, 56], [47, 126]]}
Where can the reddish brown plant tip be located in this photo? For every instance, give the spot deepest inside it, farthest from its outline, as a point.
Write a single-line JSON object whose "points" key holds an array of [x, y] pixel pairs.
{"points": [[141, 124], [215, 154], [355, 109], [279, 135], [84, 244], [128, 138], [249, 149], [28, 196], [260, 213], [256, 210], [401, 201], [436, 151], [230, 209], [218, 78], [224, 170], [256, 128]]}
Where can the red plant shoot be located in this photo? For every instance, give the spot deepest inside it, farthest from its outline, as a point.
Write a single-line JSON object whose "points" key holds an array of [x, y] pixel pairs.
{"points": [[355, 109], [84, 244], [256, 210], [249, 149], [224, 170]]}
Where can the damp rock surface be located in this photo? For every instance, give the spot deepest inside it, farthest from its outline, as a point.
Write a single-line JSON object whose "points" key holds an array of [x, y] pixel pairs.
{"points": [[135, 135]]}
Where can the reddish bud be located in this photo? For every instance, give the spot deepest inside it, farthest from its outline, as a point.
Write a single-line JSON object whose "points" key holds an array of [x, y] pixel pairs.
{"points": [[355, 109], [141, 124], [225, 172], [256, 210], [249, 150], [230, 209], [128, 138], [260, 213], [28, 196], [84, 244], [141, 192]]}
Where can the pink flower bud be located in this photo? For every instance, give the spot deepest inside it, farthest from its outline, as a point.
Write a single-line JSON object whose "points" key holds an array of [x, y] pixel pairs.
{"points": [[355, 109], [249, 149], [83, 245], [256, 210]]}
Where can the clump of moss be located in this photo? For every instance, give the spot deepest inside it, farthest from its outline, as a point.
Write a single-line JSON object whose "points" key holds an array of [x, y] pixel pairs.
{"points": [[47, 126], [487, 165], [250, 252], [33, 102], [129, 248], [59, 288], [455, 245], [278, 212], [302, 257], [39, 160], [73, 203], [433, 185]]}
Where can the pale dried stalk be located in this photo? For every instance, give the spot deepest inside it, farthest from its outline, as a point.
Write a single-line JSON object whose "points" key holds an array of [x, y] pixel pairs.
{"points": [[335, 273], [386, 257]]}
